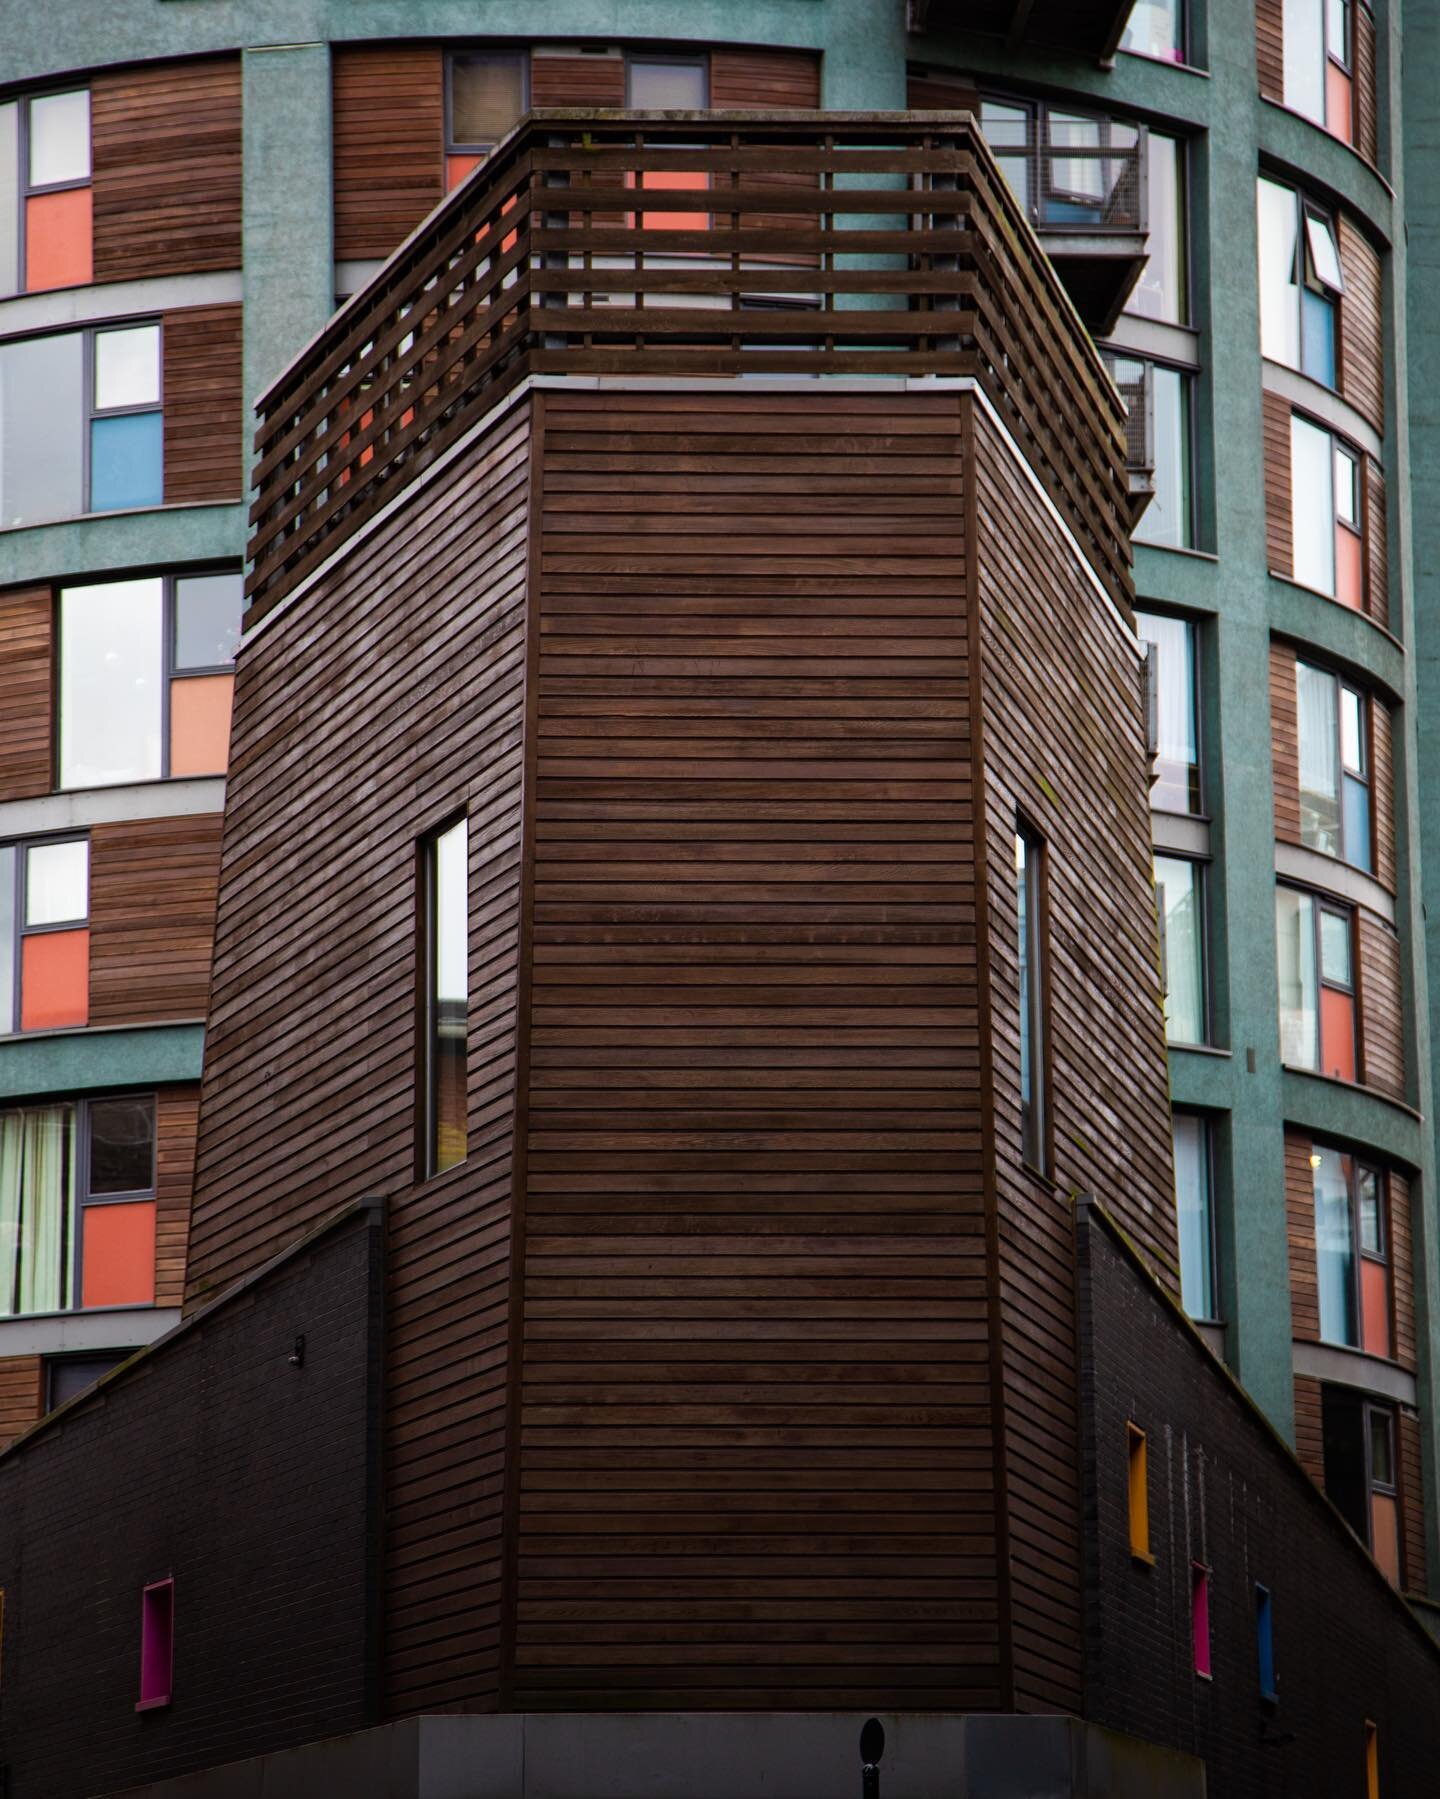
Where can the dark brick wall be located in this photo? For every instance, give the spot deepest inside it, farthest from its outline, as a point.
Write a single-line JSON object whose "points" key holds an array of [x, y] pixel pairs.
{"points": [[253, 1483], [1224, 1491]]}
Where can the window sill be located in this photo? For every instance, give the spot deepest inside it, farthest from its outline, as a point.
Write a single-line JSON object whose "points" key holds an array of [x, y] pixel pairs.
{"points": [[1142, 1558], [1322, 402], [1317, 593], [1168, 62], [1173, 549], [1338, 1364], [1305, 119], [1199, 1049], [1375, 1093], [152, 1705]]}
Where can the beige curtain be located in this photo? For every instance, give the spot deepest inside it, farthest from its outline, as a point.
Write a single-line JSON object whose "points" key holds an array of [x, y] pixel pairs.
{"points": [[37, 1209]]}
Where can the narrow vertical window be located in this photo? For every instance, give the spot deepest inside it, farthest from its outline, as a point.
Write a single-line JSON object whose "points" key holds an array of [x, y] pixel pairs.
{"points": [[1335, 1247], [1176, 787], [126, 427], [1139, 1493], [487, 93], [1200, 1616], [1372, 1761], [1375, 1334], [1161, 292], [1265, 1643], [1033, 1135], [56, 237], [446, 995], [1194, 1215], [1179, 894], [1156, 28], [1384, 1490], [157, 1645]]}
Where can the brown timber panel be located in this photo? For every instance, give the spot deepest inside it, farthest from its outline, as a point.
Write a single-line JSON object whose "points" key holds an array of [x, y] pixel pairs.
{"points": [[1381, 743], [167, 160], [1402, 1253], [1381, 1007], [576, 80], [25, 692], [1285, 742], [406, 703], [1377, 547], [1059, 707], [1270, 47], [204, 454], [756, 1464], [1367, 139], [1412, 1503], [765, 80], [1362, 375], [938, 90], [1279, 527], [152, 918], [1310, 1428], [389, 143], [1300, 1234], [177, 1119], [21, 1396]]}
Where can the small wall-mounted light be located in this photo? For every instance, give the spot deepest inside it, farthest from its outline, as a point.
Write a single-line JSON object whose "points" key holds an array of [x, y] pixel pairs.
{"points": [[872, 1747], [297, 1354]]}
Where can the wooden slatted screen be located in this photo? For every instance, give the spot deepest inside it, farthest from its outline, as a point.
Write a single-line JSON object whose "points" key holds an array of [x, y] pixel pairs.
{"points": [[1402, 1258], [26, 692], [1383, 798], [389, 143], [1366, 109], [204, 444], [1310, 1428], [1279, 527], [1362, 349], [1300, 1238], [1377, 546], [177, 1120], [21, 1396], [1270, 47], [152, 918], [1381, 1007], [1285, 742]]}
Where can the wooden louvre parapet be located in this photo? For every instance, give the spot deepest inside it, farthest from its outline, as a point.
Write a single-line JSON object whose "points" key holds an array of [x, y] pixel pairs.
{"points": [[810, 245]]}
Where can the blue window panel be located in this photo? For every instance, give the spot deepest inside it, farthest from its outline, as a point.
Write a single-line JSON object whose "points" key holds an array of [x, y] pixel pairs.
{"points": [[1317, 337], [1357, 824], [126, 461], [1265, 1643]]}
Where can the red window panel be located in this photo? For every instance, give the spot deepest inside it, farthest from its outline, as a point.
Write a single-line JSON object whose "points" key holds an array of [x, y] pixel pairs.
{"points": [[55, 980], [458, 167], [670, 181], [1338, 112], [58, 239], [200, 724], [1337, 1033], [118, 1254], [1374, 1307], [1349, 567]]}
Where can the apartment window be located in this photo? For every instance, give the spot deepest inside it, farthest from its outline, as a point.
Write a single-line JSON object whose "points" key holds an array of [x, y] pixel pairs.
{"points": [[77, 1205], [669, 84], [68, 1376], [1176, 786], [1361, 1477], [1067, 169], [1194, 1209], [1333, 721], [81, 426], [1352, 1255], [486, 93], [1315, 941], [1300, 282], [1265, 1644], [45, 196], [447, 935], [44, 934], [1156, 28], [1138, 1493], [1326, 513], [1162, 291], [146, 677], [1158, 438], [1320, 63], [157, 1645], [1029, 903], [1200, 1618], [1372, 1761], [1180, 904]]}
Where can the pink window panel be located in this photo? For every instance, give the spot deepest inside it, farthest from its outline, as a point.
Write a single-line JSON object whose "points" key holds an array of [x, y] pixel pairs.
{"points": [[1337, 102], [670, 181], [1349, 568], [1385, 1535], [458, 167], [157, 1645], [1337, 1033], [200, 724], [58, 239], [1374, 1307]]}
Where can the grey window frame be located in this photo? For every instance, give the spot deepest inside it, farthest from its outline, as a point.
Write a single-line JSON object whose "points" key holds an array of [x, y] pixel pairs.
{"points": [[1193, 626], [1035, 1145], [84, 1199], [520, 53], [1201, 865], [22, 847], [93, 412], [685, 59], [1206, 1123], [427, 1009], [22, 170], [1361, 1162], [1321, 903]]}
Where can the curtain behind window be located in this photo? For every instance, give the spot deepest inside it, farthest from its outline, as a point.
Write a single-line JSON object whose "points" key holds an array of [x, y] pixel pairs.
{"points": [[37, 1208], [1319, 759]]}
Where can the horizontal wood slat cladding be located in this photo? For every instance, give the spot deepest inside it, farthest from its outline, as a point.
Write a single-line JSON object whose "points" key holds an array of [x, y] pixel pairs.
{"points": [[1063, 743], [1366, 112], [1382, 1022], [1381, 748], [1362, 371], [388, 129], [1402, 1252], [1285, 742], [574, 79], [937, 90], [1270, 47], [1300, 1236], [167, 169], [1279, 527], [152, 918], [176, 1124], [26, 700], [763, 79], [754, 1210], [310, 1068], [204, 454], [1310, 1428], [1377, 547], [21, 1396], [1412, 1503]]}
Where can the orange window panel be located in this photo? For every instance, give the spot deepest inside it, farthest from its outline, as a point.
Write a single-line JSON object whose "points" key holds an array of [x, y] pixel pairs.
{"points": [[58, 239], [54, 980], [118, 1255], [1349, 567], [1374, 1307], [671, 181], [200, 724], [458, 167], [1385, 1535], [1337, 1033], [1338, 114]]}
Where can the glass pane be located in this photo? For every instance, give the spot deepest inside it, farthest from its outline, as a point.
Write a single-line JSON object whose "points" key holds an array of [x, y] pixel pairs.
{"points": [[7, 943], [1382, 1458], [125, 461], [110, 683], [1032, 1051], [37, 1209], [1076, 184], [1166, 520], [1278, 222], [1324, 256], [1337, 35], [487, 96], [1372, 1229], [1008, 128], [1357, 823], [1160, 291], [1317, 331], [1155, 28], [1178, 892], [1352, 730], [1335, 946], [1347, 488], [9, 199], [1299, 990], [667, 86], [1334, 1247], [60, 138], [54, 979], [450, 929], [57, 882], [1305, 58], [117, 1263], [207, 620], [1192, 1204], [1177, 761], [1312, 505], [200, 724], [127, 367], [122, 1145], [1319, 759], [42, 426]]}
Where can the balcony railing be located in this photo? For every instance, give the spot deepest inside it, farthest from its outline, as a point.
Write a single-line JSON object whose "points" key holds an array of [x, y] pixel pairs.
{"points": [[690, 246]]}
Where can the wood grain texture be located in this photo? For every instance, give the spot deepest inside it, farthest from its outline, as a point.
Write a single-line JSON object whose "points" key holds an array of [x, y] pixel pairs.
{"points": [[26, 692], [1377, 546], [204, 449], [1064, 751], [1383, 760], [1300, 1237], [1270, 47], [1412, 1503], [21, 1396], [1285, 742], [176, 1123], [576, 80], [1366, 109], [152, 918], [1362, 367], [167, 168], [388, 124], [765, 79], [1402, 1255], [1310, 1428], [1279, 528], [1382, 1024]]}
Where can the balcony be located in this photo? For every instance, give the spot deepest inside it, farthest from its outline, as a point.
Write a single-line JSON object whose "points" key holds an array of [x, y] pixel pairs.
{"points": [[1090, 28], [705, 246]]}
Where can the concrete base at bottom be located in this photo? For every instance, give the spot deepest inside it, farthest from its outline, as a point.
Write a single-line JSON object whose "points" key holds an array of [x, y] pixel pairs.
{"points": [[705, 1755]]}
